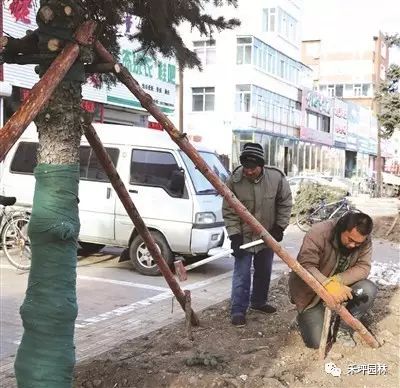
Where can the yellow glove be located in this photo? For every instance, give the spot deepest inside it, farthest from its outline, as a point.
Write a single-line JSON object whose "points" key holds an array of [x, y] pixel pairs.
{"points": [[337, 289]]}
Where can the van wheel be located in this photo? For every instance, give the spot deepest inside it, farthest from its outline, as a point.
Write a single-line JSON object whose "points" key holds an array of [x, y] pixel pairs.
{"points": [[88, 248], [141, 258]]}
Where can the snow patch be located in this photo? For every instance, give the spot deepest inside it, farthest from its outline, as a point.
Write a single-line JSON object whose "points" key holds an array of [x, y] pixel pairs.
{"points": [[385, 274]]}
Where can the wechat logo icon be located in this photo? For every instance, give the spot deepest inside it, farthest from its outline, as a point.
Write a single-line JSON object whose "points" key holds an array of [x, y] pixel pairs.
{"points": [[331, 368]]}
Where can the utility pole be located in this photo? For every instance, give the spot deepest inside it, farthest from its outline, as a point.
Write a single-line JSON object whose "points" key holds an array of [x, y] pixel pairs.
{"points": [[379, 164], [180, 125], [378, 47]]}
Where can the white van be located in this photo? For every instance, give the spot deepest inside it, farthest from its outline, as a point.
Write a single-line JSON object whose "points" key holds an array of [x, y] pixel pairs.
{"points": [[176, 202]]}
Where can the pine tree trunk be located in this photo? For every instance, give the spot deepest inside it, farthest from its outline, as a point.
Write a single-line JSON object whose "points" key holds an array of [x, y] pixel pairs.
{"points": [[46, 355]]}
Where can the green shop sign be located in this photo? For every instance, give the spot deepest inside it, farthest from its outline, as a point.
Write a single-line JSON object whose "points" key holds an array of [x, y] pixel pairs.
{"points": [[145, 66]]}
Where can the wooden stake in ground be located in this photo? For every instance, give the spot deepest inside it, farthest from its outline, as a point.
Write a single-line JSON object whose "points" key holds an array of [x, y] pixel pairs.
{"points": [[393, 225], [188, 314], [147, 102], [325, 333]]}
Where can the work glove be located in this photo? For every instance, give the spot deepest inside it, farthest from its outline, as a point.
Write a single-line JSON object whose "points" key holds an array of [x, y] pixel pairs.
{"points": [[338, 290], [277, 232], [236, 242]]}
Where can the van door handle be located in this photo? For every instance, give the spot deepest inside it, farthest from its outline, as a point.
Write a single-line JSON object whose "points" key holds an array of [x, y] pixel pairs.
{"points": [[108, 192], [133, 191]]}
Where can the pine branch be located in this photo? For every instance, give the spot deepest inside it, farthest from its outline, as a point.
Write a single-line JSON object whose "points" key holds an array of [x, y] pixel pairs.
{"points": [[392, 40], [157, 28]]}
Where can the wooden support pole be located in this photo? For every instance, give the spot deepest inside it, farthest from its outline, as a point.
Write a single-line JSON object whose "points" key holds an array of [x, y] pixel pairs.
{"points": [[42, 91], [147, 102], [390, 230], [137, 220], [188, 314], [325, 333]]}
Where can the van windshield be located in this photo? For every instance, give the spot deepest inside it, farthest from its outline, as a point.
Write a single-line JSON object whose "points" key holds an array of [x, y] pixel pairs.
{"points": [[200, 183]]}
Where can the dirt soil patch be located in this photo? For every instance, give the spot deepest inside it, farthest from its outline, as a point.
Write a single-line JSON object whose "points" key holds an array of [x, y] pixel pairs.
{"points": [[382, 226], [268, 352]]}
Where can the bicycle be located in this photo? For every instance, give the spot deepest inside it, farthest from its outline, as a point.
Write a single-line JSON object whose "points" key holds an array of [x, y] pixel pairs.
{"points": [[14, 238], [324, 211]]}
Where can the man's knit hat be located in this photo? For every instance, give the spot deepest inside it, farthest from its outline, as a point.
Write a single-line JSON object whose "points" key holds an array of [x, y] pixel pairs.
{"points": [[252, 155]]}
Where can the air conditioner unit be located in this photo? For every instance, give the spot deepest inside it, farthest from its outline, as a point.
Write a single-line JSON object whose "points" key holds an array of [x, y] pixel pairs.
{"points": [[5, 89]]}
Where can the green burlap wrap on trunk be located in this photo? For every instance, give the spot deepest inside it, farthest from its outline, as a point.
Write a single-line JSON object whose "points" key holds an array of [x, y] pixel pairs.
{"points": [[46, 356]]}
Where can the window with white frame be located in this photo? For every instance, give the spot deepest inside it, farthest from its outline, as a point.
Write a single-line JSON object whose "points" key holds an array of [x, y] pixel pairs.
{"points": [[292, 29], [282, 68], [357, 90], [272, 61], [243, 98], [318, 122], [283, 23], [339, 90], [274, 107], [348, 90], [287, 25], [243, 56], [206, 51], [324, 124], [292, 74], [331, 90], [269, 20], [312, 120], [366, 89], [203, 99]]}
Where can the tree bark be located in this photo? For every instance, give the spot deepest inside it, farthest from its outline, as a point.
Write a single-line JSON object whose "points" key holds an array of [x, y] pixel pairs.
{"points": [[59, 126]]}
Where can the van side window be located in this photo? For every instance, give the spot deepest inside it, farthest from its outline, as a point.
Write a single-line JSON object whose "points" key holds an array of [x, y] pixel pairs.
{"points": [[24, 160], [90, 167], [153, 168]]}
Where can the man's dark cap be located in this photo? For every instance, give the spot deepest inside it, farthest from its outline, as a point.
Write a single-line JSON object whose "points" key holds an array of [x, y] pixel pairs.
{"points": [[252, 155]]}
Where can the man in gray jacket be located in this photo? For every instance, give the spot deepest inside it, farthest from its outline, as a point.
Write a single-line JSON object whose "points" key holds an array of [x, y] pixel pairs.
{"points": [[266, 194]]}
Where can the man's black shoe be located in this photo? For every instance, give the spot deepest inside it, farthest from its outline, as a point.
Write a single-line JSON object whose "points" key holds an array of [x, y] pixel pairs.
{"points": [[238, 320], [267, 309]]}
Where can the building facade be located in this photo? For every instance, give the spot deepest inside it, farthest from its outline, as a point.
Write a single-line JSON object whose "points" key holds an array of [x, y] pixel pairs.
{"points": [[350, 71], [249, 86]]}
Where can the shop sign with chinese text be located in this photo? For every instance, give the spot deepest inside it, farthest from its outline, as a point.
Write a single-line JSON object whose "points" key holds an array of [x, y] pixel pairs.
{"points": [[339, 121], [157, 76]]}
